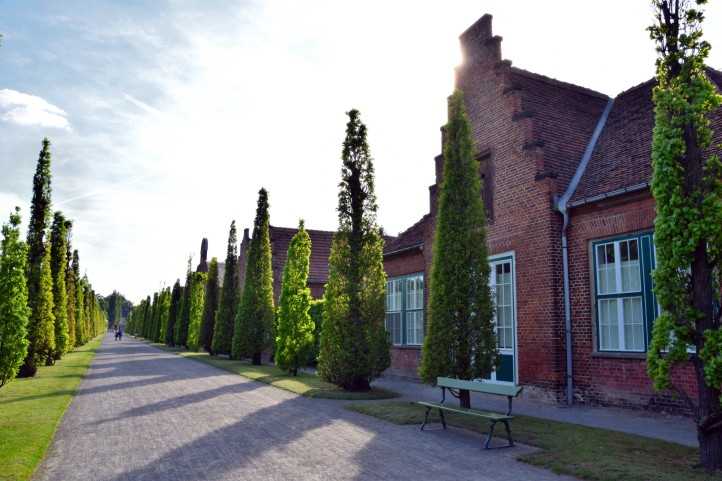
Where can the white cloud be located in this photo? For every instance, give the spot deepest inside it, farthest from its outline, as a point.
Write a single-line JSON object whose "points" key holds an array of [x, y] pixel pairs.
{"points": [[26, 109]]}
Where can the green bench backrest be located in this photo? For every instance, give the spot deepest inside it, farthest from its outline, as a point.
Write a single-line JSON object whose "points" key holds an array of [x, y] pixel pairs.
{"points": [[479, 386]]}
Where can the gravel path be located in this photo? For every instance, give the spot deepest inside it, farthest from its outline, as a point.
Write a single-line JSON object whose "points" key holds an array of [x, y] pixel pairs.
{"points": [[144, 414]]}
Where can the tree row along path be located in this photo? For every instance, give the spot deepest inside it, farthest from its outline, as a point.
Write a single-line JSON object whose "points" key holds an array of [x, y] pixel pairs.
{"points": [[145, 414]]}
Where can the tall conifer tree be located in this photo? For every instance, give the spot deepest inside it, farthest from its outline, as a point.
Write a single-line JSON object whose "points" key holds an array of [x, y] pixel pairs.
{"points": [[460, 341], [253, 329], [70, 285], [223, 330], [173, 312], [354, 344], [195, 314], [41, 328], [80, 337], [36, 242], [181, 338], [294, 326], [58, 265], [210, 307], [14, 310]]}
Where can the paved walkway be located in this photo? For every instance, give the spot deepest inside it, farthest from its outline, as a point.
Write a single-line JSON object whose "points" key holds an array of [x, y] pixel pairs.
{"points": [[676, 429], [142, 414]]}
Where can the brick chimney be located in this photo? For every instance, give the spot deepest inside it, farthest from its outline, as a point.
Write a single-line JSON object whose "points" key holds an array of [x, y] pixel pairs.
{"points": [[478, 45]]}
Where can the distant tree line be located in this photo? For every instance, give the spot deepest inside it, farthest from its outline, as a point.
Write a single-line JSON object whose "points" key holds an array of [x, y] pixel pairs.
{"points": [[47, 308]]}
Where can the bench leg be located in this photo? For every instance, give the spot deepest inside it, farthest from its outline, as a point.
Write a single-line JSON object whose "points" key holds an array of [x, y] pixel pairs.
{"points": [[487, 444], [443, 419], [426, 418], [508, 433]]}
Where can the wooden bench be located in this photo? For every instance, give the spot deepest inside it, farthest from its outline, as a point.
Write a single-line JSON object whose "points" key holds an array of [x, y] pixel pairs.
{"points": [[455, 385]]}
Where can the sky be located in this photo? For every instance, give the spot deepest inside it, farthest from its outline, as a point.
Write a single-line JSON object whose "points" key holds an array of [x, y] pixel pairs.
{"points": [[167, 116]]}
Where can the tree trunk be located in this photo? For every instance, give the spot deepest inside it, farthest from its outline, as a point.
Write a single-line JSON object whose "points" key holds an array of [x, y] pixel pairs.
{"points": [[464, 398], [358, 384], [710, 448], [28, 369], [256, 360]]}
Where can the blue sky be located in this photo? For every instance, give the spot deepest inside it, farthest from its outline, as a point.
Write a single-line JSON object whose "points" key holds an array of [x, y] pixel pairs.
{"points": [[166, 117]]}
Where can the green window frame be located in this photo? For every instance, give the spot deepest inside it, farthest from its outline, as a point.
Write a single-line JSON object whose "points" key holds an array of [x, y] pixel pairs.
{"points": [[405, 309], [624, 302]]}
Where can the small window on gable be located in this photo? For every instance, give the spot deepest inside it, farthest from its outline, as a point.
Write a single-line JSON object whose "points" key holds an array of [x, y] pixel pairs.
{"points": [[487, 183]]}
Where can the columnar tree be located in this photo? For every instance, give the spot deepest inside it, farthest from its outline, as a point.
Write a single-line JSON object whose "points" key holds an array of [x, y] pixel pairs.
{"points": [[354, 344], [181, 338], [210, 307], [154, 316], [687, 187], [173, 312], [80, 336], [223, 330], [70, 285], [460, 341], [164, 314], [294, 326], [14, 310], [254, 323], [147, 316], [41, 328], [39, 218], [58, 266], [195, 315]]}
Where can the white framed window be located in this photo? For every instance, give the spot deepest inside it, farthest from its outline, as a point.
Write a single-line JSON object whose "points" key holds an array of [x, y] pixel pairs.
{"points": [[394, 306], [623, 293], [502, 286], [405, 309], [415, 309]]}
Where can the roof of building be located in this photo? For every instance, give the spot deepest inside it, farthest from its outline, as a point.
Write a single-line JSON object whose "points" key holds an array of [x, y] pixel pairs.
{"points": [[411, 237], [622, 156], [320, 250], [563, 118]]}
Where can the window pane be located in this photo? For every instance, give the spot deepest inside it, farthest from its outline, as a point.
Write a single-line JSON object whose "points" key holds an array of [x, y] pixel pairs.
{"points": [[415, 292], [631, 272], [608, 325], [503, 307], [633, 325], [606, 276], [415, 327], [393, 295], [393, 326]]}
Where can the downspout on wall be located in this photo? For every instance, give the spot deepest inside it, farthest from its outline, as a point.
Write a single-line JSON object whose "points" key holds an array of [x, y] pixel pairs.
{"points": [[562, 205]]}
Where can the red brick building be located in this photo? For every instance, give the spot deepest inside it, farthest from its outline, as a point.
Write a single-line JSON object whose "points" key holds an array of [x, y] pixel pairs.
{"points": [[280, 240], [551, 151]]}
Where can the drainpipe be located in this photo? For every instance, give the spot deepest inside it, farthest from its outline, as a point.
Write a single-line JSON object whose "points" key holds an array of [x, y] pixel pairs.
{"points": [[562, 205]]}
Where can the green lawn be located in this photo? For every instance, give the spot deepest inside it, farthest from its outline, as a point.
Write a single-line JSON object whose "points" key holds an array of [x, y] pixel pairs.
{"points": [[31, 409], [587, 453], [305, 384]]}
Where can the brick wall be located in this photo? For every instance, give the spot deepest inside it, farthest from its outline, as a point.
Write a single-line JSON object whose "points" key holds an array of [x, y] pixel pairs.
{"points": [[606, 378]]}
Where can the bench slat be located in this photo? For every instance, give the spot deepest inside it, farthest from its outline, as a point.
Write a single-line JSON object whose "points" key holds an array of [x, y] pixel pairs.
{"points": [[479, 386], [472, 412]]}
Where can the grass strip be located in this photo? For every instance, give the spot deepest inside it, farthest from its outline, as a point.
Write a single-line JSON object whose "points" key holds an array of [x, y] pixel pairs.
{"points": [[305, 384], [587, 453], [31, 410]]}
